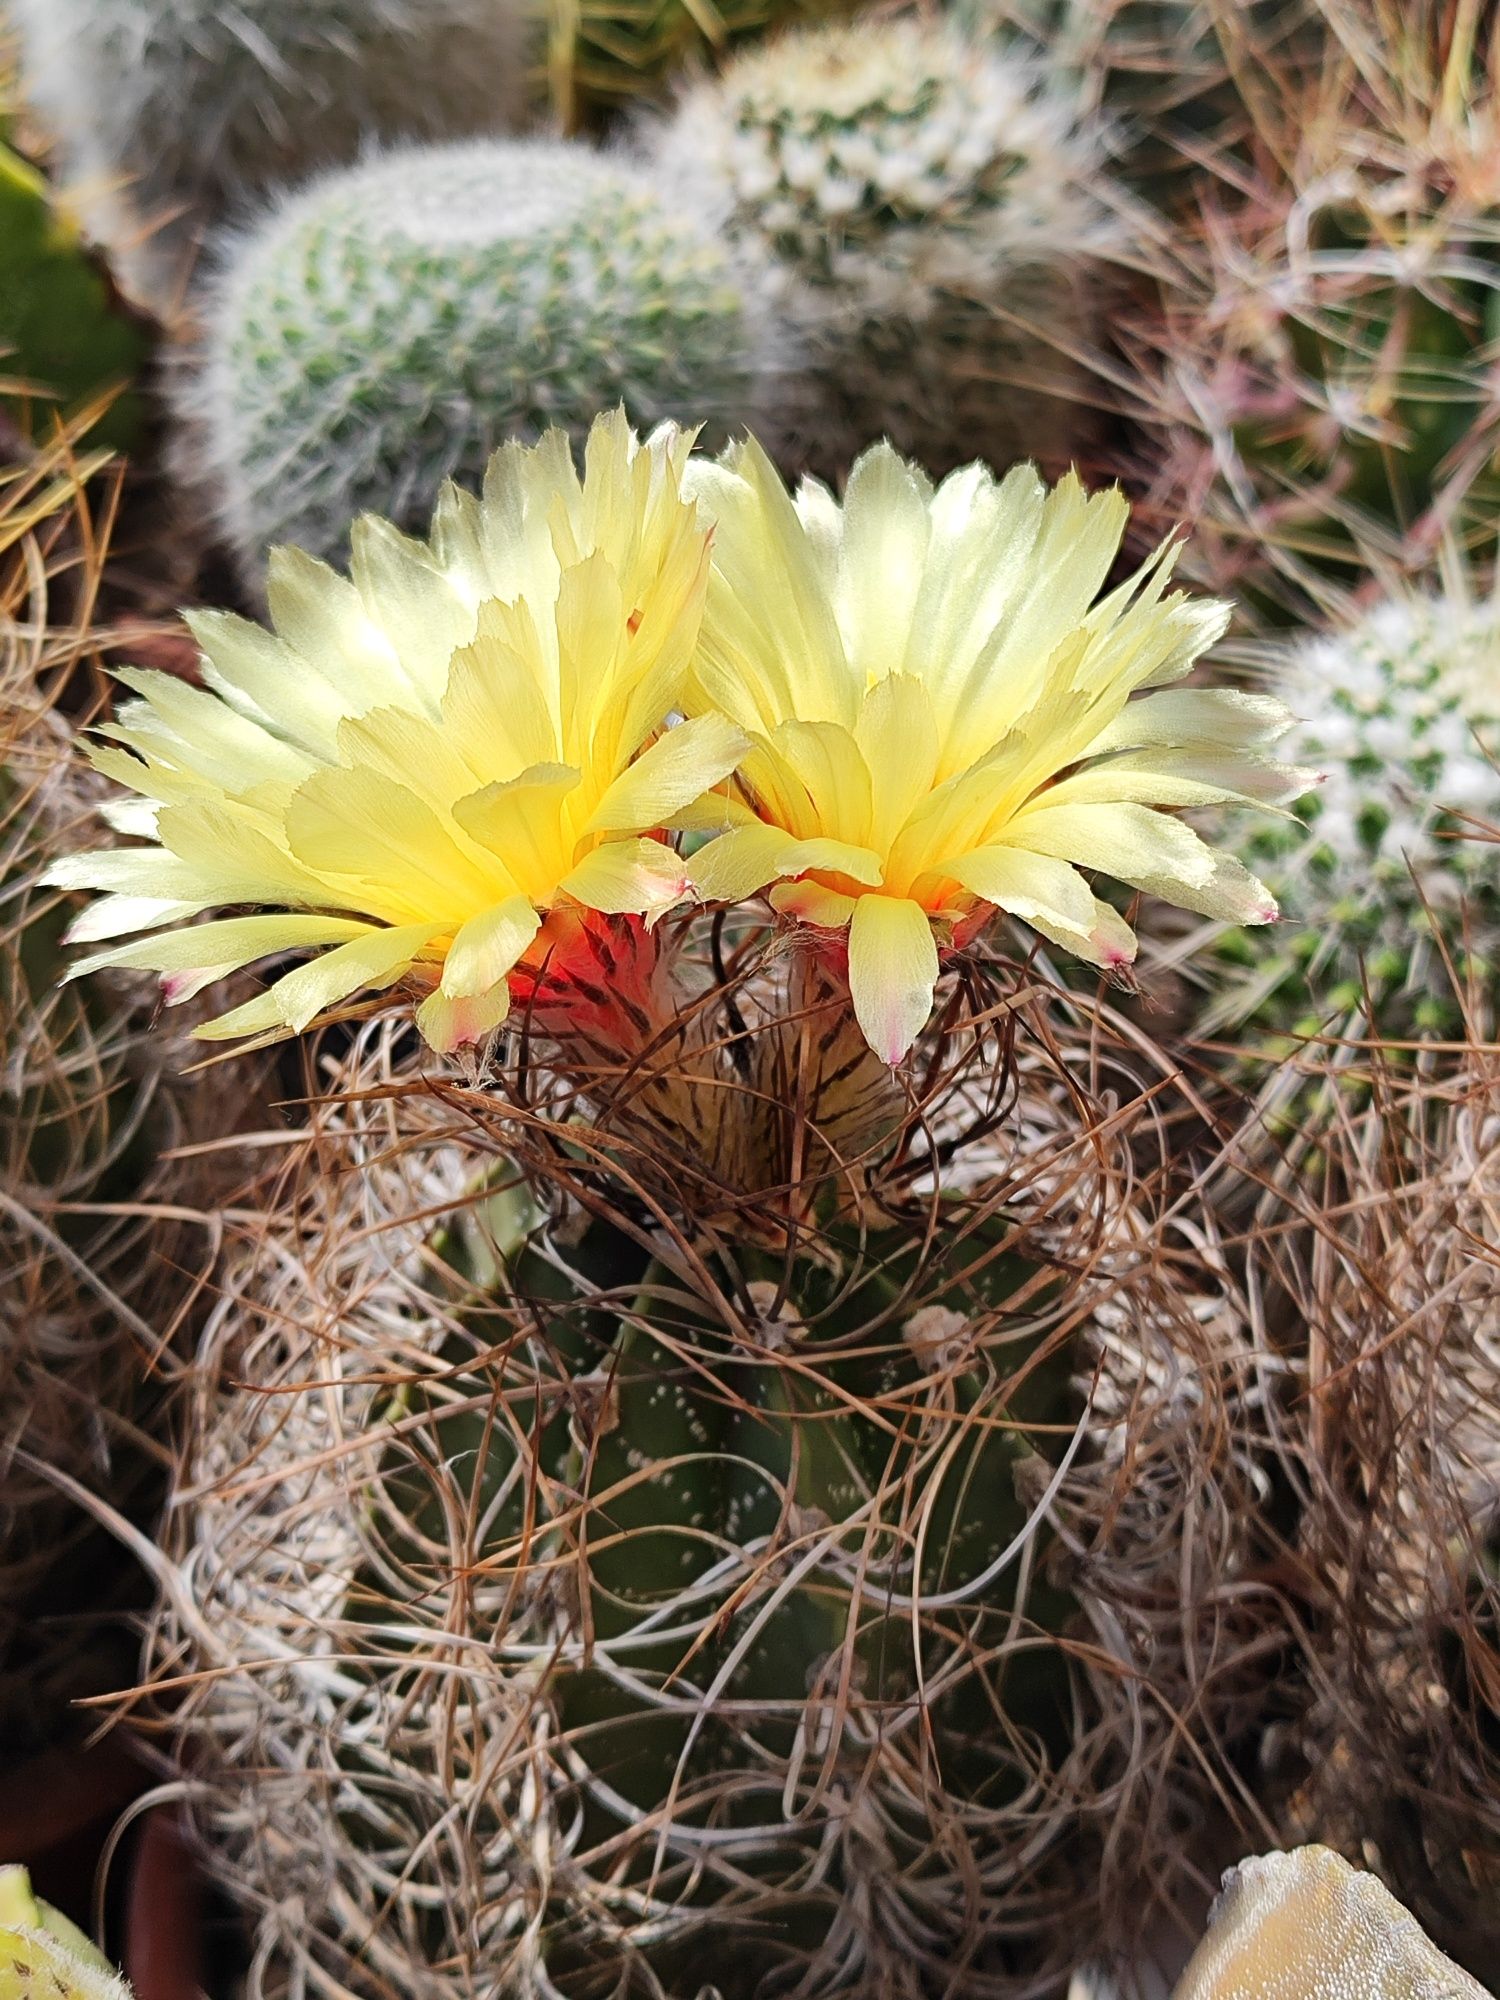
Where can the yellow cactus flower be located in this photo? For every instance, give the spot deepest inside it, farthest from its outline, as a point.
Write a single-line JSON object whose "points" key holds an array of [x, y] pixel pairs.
{"points": [[420, 761], [948, 718]]}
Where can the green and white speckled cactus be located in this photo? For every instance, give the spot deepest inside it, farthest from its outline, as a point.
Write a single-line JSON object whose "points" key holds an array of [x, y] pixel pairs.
{"points": [[169, 113], [1403, 713], [932, 203], [385, 328]]}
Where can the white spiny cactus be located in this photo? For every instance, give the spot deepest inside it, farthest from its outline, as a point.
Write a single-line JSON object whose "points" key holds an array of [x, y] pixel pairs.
{"points": [[385, 328], [933, 205], [1402, 714], [170, 112]]}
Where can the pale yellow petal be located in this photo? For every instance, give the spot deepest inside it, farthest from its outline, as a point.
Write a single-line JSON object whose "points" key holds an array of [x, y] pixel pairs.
{"points": [[367, 964], [194, 958], [1150, 851], [810, 902], [739, 863], [446, 1024], [893, 969]]}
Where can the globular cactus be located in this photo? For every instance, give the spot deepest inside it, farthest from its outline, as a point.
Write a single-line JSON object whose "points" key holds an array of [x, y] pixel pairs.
{"points": [[933, 206], [1322, 385], [171, 113], [646, 1600], [387, 327], [1388, 886]]}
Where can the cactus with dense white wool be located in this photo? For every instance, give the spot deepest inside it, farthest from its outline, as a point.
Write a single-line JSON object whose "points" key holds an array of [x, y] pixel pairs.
{"points": [[384, 329], [168, 113], [1381, 869], [932, 203]]}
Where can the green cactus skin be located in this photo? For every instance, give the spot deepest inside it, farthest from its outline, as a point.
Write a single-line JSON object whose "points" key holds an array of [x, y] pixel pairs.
{"points": [[1402, 714], [933, 205], [387, 327], [61, 331], [711, 1456], [172, 113]]}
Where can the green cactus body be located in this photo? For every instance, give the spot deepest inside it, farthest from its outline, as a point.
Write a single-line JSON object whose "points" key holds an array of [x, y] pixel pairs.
{"points": [[171, 113], [387, 327], [61, 333], [932, 206], [1380, 872], [747, 1509]]}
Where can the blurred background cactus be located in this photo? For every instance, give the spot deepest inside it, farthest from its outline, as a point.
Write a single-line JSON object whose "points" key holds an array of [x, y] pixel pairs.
{"points": [[66, 342], [92, 1285], [938, 212], [1389, 892], [168, 114], [1324, 383], [385, 328], [603, 55]]}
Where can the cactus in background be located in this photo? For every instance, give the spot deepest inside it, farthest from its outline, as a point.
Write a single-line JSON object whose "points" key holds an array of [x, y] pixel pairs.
{"points": [[62, 335], [934, 209], [605, 53], [1393, 1749], [169, 113], [1324, 386], [89, 1277], [1380, 876], [384, 329]]}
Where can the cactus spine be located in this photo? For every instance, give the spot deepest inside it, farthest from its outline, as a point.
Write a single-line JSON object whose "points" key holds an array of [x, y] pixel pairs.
{"points": [[384, 329]]}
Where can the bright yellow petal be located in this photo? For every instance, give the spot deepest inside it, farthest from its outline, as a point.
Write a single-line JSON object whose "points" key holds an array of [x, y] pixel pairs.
{"points": [[487, 947], [629, 878], [893, 969], [675, 771], [522, 822], [739, 863]]}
